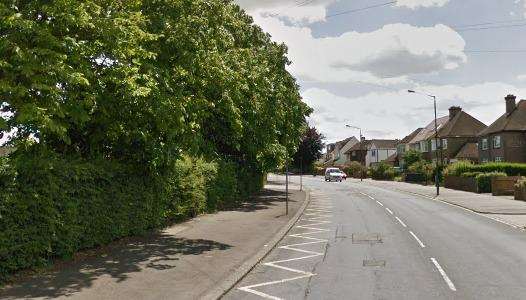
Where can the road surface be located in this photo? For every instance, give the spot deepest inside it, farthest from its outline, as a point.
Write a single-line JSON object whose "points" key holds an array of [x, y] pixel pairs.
{"points": [[358, 241]]}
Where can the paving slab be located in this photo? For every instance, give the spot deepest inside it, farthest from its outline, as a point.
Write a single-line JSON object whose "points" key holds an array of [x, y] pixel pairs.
{"points": [[184, 261]]}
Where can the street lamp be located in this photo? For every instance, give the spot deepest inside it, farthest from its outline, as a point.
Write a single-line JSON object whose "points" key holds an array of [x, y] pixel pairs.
{"points": [[437, 177], [355, 127]]}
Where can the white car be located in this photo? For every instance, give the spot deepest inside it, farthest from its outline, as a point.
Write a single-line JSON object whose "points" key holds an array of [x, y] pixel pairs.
{"points": [[334, 174]]}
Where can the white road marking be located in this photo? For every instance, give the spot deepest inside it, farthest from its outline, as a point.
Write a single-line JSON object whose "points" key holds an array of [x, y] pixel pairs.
{"points": [[366, 195], [317, 215], [390, 211], [400, 221], [444, 275], [417, 239], [380, 203]]}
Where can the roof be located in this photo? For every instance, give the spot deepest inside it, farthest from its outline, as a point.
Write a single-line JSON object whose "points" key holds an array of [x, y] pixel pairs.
{"points": [[516, 121], [429, 130], [385, 144], [392, 158], [462, 125], [468, 151], [411, 136], [380, 144]]}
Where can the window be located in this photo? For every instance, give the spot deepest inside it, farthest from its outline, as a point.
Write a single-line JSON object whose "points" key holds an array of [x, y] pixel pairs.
{"points": [[444, 143], [433, 145], [484, 144], [499, 159], [496, 142], [373, 153], [424, 146], [354, 153]]}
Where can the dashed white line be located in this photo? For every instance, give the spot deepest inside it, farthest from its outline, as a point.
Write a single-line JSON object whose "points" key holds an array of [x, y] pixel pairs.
{"points": [[400, 221], [444, 275], [417, 239], [379, 203], [370, 197], [388, 210]]}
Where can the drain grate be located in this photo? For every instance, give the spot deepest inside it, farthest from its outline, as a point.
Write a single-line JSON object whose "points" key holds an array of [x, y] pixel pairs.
{"points": [[366, 238], [373, 263]]}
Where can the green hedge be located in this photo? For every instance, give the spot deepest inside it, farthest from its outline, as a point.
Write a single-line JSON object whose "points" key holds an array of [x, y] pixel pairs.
{"points": [[511, 169], [382, 172], [484, 181], [51, 207]]}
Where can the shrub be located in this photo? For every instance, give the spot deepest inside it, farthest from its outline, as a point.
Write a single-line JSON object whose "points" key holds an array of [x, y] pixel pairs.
{"points": [[411, 157], [484, 181], [382, 172], [521, 183], [355, 170], [511, 169], [425, 168]]}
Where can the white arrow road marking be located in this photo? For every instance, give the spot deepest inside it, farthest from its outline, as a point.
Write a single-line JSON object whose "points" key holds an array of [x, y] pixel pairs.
{"points": [[444, 275], [317, 215]]}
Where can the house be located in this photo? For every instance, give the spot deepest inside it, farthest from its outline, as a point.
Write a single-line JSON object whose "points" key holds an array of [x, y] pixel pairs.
{"points": [[371, 152], [457, 134], [505, 139], [402, 148], [335, 152]]}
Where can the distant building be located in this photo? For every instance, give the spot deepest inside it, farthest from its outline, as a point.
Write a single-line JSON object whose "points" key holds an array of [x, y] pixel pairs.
{"points": [[335, 152], [402, 148], [505, 139], [371, 152], [457, 133]]}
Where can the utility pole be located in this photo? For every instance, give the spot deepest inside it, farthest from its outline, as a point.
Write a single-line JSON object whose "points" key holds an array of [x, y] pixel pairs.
{"points": [[287, 187], [437, 173]]}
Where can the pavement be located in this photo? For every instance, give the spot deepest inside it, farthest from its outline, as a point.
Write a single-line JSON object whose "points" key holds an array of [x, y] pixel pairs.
{"points": [[367, 240], [193, 260]]}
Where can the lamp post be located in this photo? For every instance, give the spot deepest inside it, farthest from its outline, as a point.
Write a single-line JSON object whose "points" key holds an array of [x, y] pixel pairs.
{"points": [[437, 177], [355, 127]]}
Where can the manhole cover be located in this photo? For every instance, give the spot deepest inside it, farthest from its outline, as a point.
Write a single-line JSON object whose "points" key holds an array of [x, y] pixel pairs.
{"points": [[366, 238], [374, 263]]}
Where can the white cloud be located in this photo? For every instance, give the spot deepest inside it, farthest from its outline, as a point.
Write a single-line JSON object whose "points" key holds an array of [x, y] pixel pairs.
{"points": [[414, 4], [396, 114], [305, 11], [386, 55]]}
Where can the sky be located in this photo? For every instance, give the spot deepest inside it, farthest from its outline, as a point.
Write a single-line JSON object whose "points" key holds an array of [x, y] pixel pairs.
{"points": [[355, 59]]}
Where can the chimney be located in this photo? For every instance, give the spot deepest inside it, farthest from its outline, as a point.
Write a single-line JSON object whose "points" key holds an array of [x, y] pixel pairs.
{"points": [[453, 111], [363, 139], [510, 104]]}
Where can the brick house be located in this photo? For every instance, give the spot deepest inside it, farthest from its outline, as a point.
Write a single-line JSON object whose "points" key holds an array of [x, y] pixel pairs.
{"points": [[457, 136], [505, 139], [403, 147]]}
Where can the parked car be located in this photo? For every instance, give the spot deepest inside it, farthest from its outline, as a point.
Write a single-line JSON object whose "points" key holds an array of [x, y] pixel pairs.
{"points": [[333, 174], [344, 175]]}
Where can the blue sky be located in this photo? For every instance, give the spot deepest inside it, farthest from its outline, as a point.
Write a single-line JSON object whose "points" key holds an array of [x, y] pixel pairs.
{"points": [[356, 68]]}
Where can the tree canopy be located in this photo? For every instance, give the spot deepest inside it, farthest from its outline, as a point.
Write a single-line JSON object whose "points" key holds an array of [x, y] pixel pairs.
{"points": [[144, 81], [309, 150]]}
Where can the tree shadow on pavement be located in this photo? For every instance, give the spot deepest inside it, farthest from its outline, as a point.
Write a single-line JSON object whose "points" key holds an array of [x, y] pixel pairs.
{"points": [[159, 251], [263, 200]]}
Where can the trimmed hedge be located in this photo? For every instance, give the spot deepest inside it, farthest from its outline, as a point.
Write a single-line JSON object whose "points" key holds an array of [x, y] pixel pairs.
{"points": [[382, 172], [483, 179], [511, 169], [52, 207]]}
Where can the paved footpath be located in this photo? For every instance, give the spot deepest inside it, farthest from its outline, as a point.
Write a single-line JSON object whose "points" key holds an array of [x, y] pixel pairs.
{"points": [[185, 261]]}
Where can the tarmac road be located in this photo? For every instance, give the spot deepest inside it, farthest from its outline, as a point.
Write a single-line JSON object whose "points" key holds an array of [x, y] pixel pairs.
{"points": [[359, 241]]}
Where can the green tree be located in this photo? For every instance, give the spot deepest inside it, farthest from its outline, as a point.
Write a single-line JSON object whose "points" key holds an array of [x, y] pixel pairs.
{"points": [[309, 150]]}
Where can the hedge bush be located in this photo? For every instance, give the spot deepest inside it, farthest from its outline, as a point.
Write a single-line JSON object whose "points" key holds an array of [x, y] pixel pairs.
{"points": [[382, 172], [51, 207], [484, 181], [511, 169], [355, 170]]}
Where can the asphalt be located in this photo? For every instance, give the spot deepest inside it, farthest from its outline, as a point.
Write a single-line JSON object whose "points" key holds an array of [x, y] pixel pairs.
{"points": [[184, 261], [374, 242]]}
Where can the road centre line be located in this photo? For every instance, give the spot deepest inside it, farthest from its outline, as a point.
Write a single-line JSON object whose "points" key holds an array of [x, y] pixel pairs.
{"points": [[379, 203], [417, 239], [444, 275], [390, 211], [400, 221]]}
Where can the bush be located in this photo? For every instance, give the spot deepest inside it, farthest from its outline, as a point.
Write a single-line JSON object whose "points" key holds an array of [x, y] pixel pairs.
{"points": [[511, 169], [484, 181], [425, 168], [51, 207], [382, 172], [355, 170], [411, 157], [521, 183]]}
